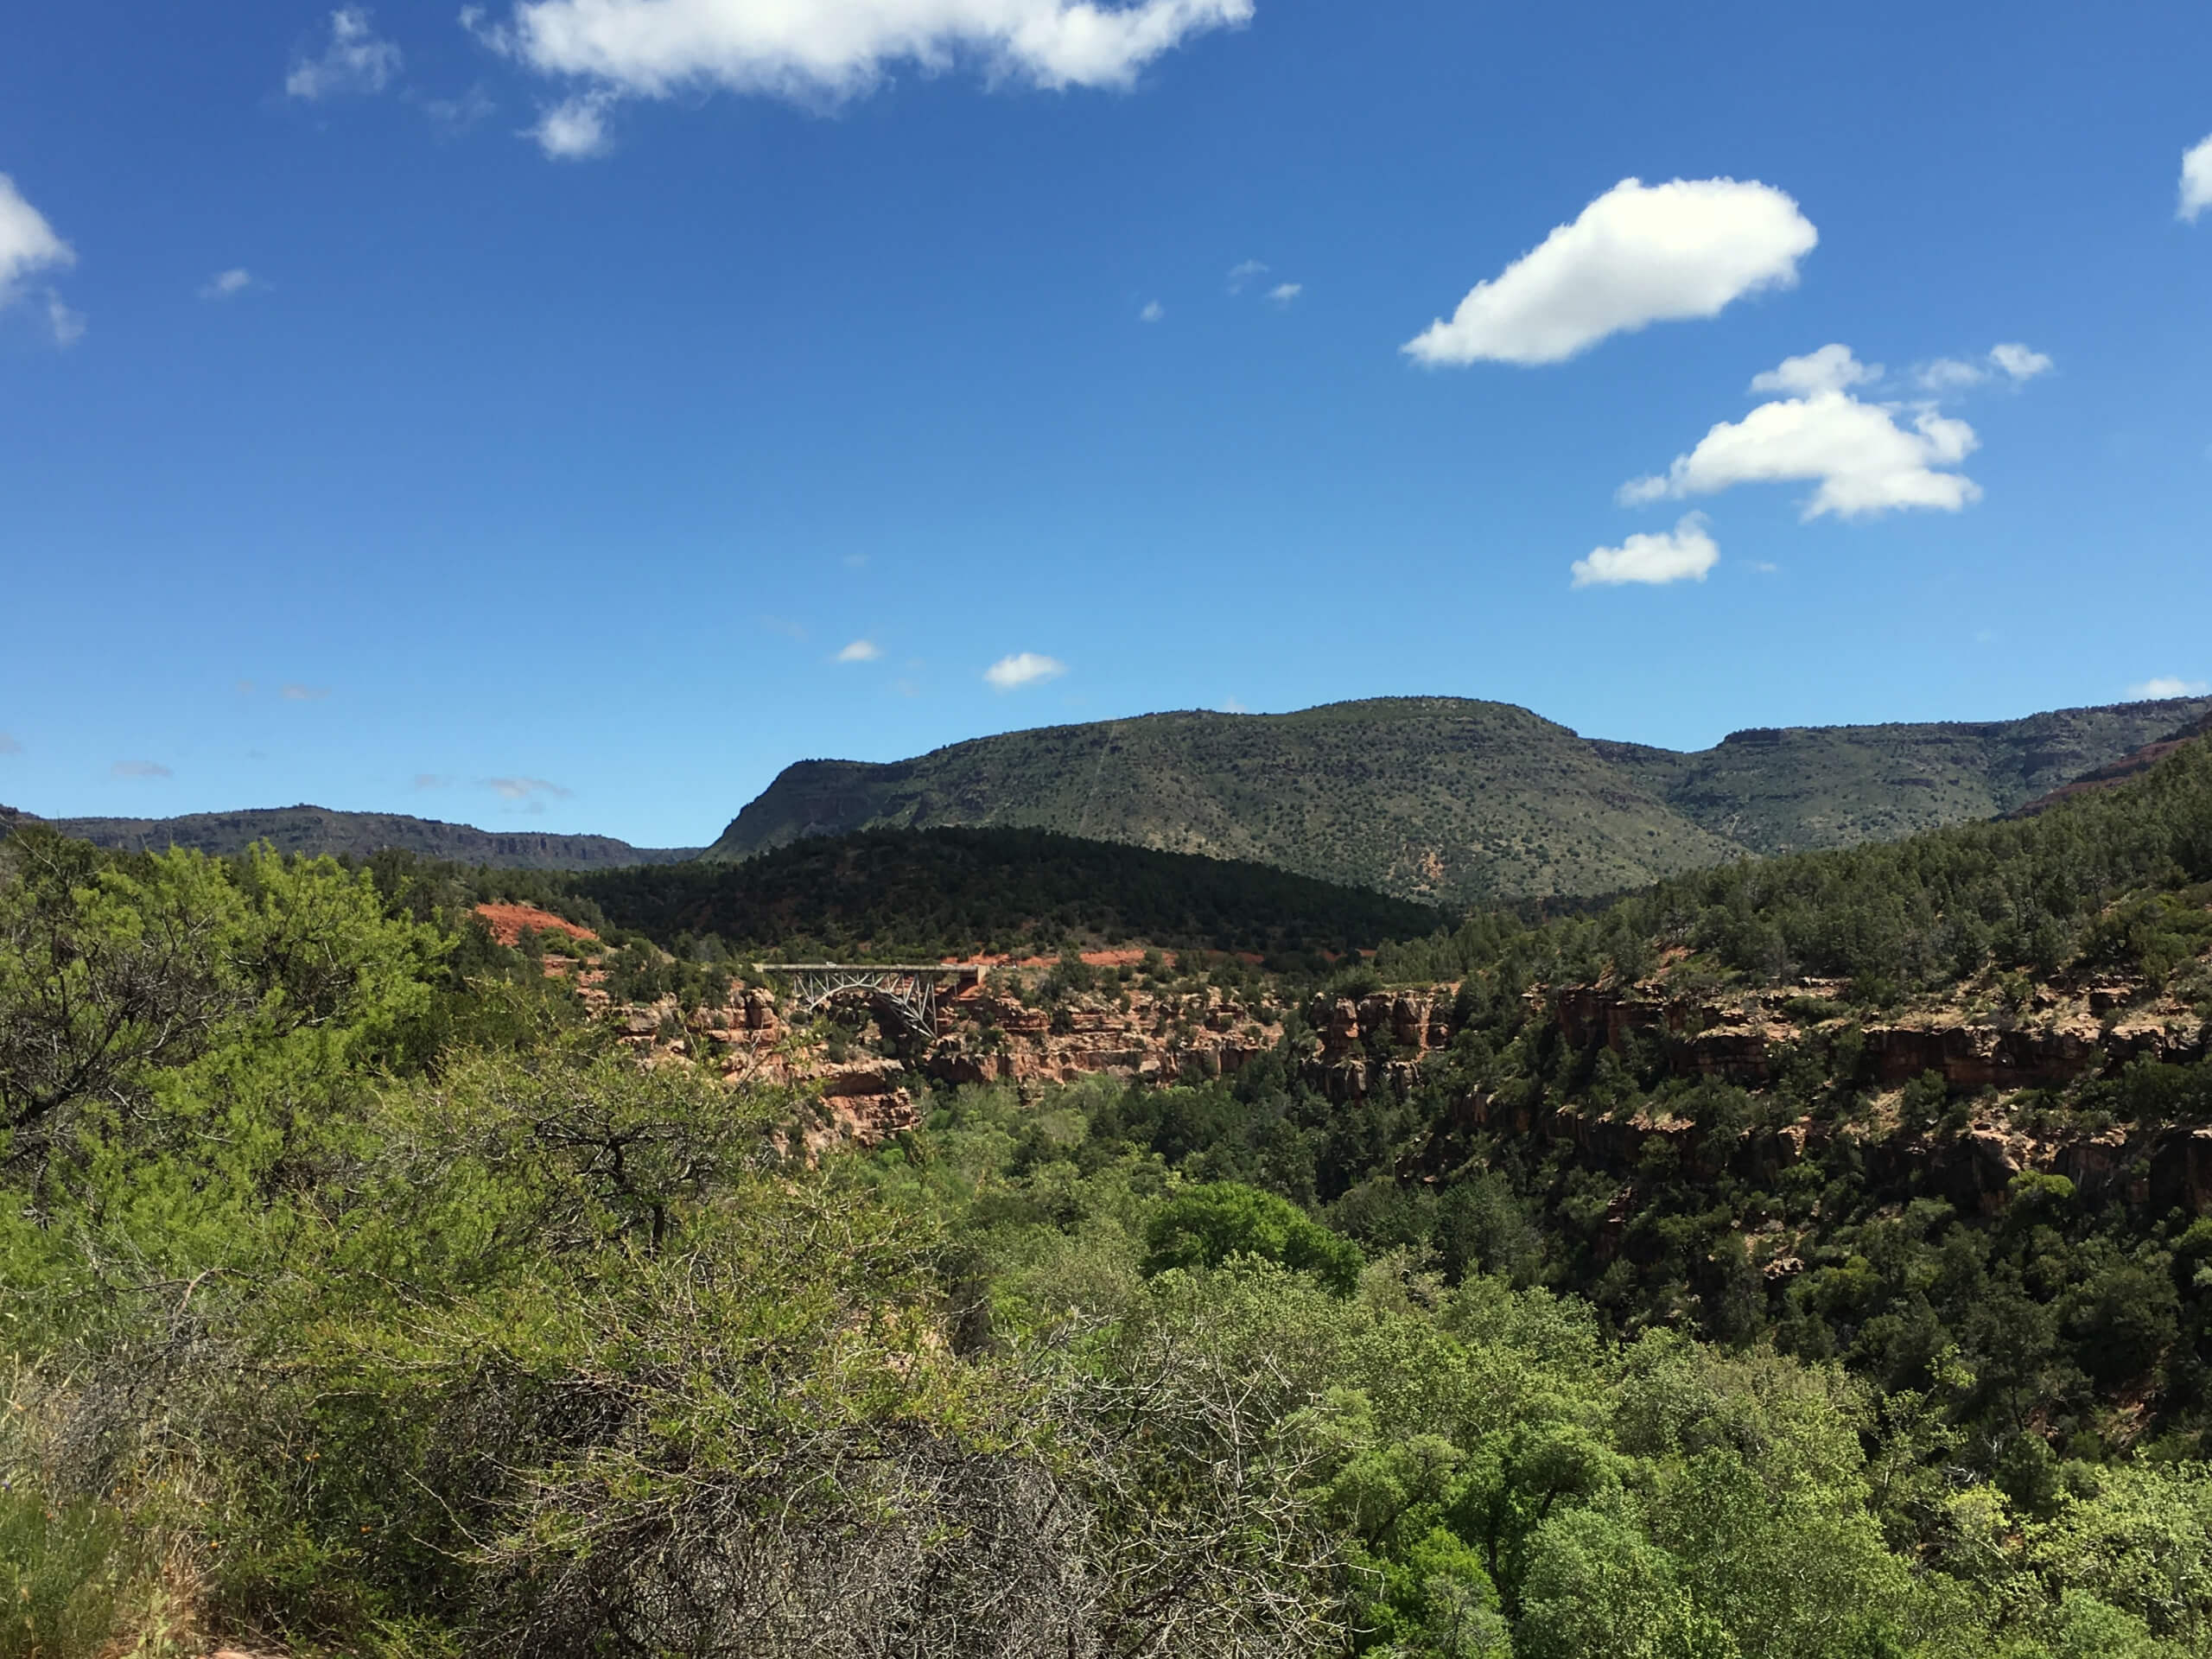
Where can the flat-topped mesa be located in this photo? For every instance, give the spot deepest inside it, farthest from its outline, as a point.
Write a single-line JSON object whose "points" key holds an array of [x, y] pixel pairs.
{"points": [[318, 832]]}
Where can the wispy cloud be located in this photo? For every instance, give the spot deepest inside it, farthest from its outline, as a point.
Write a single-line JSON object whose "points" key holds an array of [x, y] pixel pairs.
{"points": [[1023, 668], [2197, 181], [2008, 360], [354, 61], [1284, 293], [458, 115], [1152, 311], [68, 326], [27, 244], [140, 769], [531, 792], [295, 692], [431, 780], [8, 745], [1243, 276], [27, 241], [2161, 686], [860, 651], [227, 284], [785, 626]]}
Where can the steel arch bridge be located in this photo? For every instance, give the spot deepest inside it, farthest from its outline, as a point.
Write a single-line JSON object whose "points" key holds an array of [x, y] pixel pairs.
{"points": [[907, 991]]}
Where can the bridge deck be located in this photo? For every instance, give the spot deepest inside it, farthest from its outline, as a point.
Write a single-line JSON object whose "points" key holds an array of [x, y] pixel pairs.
{"points": [[974, 971], [879, 967]]}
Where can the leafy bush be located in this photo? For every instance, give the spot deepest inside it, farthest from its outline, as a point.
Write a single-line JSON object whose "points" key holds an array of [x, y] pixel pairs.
{"points": [[1220, 1221]]}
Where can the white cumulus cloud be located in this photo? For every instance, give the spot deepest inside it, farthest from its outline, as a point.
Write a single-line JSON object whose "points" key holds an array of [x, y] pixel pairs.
{"points": [[814, 51], [1639, 254], [1682, 553], [2017, 361], [27, 241], [2168, 685], [860, 651], [1152, 311], [1832, 368], [227, 284], [2196, 180], [1023, 668], [1284, 293], [574, 129], [355, 61], [1863, 460]]}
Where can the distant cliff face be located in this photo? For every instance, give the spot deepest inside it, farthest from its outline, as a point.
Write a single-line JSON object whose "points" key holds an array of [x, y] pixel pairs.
{"points": [[2131, 765], [316, 830], [1452, 801]]}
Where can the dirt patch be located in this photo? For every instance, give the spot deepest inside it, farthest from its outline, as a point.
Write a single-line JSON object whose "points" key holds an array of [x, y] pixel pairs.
{"points": [[508, 921], [1127, 958]]}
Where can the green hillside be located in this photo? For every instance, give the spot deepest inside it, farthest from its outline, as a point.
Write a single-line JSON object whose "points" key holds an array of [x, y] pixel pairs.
{"points": [[886, 894], [1804, 788], [1452, 801], [1435, 798], [316, 831]]}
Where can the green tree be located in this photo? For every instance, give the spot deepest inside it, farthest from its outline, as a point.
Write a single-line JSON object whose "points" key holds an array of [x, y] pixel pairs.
{"points": [[1209, 1224]]}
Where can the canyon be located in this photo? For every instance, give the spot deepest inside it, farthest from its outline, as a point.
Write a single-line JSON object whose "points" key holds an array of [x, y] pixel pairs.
{"points": [[1010, 1025]]}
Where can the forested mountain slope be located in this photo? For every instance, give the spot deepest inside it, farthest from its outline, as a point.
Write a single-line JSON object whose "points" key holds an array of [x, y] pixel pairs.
{"points": [[885, 894], [1447, 800], [318, 832]]}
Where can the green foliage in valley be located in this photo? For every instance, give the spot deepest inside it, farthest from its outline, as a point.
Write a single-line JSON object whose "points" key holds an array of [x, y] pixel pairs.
{"points": [[362, 1297], [2033, 1325], [1498, 1472]]}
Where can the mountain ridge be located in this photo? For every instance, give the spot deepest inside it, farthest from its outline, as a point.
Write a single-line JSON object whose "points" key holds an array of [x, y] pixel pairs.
{"points": [[1456, 800], [1440, 801], [322, 829]]}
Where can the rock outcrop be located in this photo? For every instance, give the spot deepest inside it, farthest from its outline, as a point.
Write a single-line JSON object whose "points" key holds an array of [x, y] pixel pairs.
{"points": [[1003, 1030]]}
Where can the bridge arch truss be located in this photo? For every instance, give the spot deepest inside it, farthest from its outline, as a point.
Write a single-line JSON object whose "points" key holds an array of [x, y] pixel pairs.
{"points": [[906, 991]]}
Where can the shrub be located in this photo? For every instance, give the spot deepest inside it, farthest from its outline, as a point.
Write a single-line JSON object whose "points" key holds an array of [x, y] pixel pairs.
{"points": [[1205, 1226]]}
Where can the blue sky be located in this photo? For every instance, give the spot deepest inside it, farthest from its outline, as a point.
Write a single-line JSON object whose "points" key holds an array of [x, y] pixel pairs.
{"points": [[514, 419]]}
